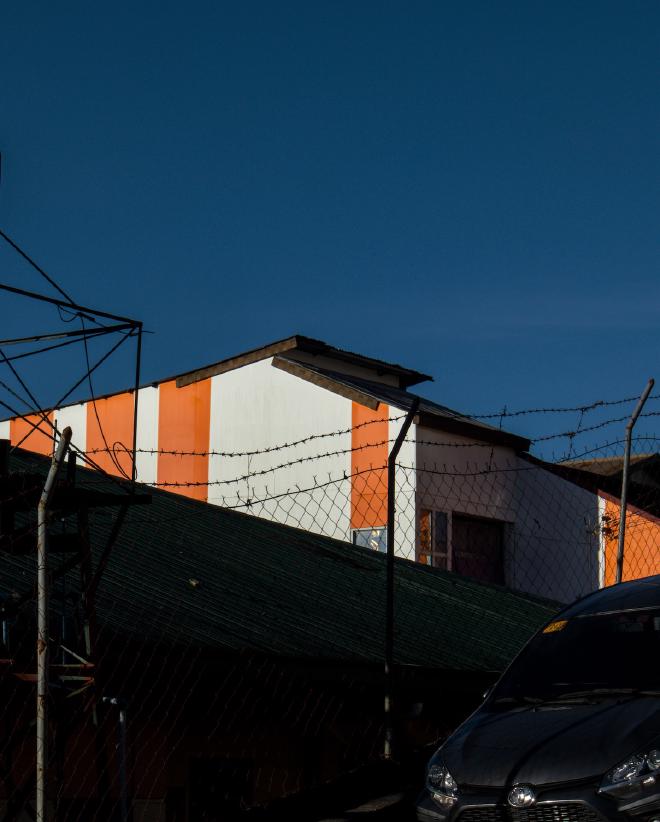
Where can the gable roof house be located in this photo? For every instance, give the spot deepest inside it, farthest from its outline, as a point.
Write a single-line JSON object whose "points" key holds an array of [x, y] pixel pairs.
{"points": [[299, 432]]}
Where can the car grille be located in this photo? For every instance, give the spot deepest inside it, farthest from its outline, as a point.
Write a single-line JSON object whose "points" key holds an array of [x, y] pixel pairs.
{"points": [[552, 812]]}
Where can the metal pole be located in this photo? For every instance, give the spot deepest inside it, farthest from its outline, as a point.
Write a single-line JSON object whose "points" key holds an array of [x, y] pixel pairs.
{"points": [[123, 782], [121, 754], [389, 604], [42, 624], [624, 481]]}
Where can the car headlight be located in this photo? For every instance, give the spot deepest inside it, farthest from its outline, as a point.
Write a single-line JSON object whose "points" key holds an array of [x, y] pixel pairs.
{"points": [[633, 774], [441, 784]]}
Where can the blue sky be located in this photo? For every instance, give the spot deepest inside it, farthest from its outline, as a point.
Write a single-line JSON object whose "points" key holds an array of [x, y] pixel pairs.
{"points": [[470, 189]]}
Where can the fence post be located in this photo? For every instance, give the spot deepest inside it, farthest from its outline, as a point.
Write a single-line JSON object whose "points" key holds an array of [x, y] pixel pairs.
{"points": [[42, 625], [389, 603], [624, 480]]}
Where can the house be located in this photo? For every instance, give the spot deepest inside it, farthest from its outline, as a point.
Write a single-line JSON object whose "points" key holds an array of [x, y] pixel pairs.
{"points": [[248, 654], [299, 432]]}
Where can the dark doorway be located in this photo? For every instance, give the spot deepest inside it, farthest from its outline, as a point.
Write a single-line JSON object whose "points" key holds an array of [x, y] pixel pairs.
{"points": [[478, 548]]}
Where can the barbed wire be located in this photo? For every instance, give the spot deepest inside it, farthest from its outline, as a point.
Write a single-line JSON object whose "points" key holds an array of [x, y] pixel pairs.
{"points": [[610, 444], [504, 413], [514, 532], [596, 427]]}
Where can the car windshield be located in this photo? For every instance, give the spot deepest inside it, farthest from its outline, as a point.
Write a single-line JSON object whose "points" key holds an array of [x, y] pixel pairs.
{"points": [[589, 653]]}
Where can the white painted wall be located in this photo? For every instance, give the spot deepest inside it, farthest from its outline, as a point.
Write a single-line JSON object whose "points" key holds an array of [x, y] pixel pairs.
{"points": [[4, 430], [460, 474], [256, 407], [74, 416], [147, 435], [557, 536]]}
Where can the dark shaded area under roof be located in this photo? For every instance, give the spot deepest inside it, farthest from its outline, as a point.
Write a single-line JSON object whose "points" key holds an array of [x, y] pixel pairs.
{"points": [[431, 414], [193, 574]]}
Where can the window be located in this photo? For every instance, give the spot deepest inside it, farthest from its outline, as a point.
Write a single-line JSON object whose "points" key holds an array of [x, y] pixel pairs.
{"points": [[433, 539], [374, 538], [610, 650], [472, 546], [478, 548]]}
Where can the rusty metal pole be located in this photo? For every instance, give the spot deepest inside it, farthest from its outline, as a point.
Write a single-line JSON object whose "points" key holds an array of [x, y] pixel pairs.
{"points": [[624, 481], [389, 603], [42, 625]]}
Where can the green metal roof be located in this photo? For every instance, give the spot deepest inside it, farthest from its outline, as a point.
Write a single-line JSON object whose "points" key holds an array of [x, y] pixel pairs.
{"points": [[191, 573]]}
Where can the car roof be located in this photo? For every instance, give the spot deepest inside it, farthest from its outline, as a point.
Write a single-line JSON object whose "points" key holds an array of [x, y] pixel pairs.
{"points": [[627, 596]]}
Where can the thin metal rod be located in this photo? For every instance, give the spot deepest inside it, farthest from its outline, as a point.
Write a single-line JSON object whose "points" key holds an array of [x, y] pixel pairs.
{"points": [[42, 625], [59, 402], [123, 781], [138, 361], [625, 478], [37, 267], [389, 603], [90, 312], [60, 335], [119, 703]]}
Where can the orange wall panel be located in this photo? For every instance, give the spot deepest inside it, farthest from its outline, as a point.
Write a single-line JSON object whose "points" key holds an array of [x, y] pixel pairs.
{"points": [[369, 441], [184, 424], [39, 440], [641, 550], [110, 433]]}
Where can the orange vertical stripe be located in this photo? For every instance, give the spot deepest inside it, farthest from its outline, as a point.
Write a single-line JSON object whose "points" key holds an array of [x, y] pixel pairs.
{"points": [[369, 466], [641, 548], [184, 424], [39, 439], [110, 444]]}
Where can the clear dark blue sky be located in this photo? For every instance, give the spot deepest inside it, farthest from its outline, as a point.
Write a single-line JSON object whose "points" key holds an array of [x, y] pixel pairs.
{"points": [[469, 188]]}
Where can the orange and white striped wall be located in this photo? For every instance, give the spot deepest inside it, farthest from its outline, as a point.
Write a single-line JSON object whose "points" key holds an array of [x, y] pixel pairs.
{"points": [[253, 434]]}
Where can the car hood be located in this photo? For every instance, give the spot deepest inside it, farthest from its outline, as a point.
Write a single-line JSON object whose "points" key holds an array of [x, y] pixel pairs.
{"points": [[550, 743]]}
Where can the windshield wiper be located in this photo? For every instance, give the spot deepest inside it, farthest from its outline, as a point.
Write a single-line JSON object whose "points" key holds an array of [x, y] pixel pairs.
{"points": [[554, 699], [612, 692]]}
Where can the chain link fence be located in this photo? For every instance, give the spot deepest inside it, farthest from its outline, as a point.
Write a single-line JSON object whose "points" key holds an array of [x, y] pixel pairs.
{"points": [[224, 660]]}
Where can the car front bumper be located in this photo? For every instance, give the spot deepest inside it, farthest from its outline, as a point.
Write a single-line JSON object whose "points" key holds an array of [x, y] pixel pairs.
{"points": [[578, 803]]}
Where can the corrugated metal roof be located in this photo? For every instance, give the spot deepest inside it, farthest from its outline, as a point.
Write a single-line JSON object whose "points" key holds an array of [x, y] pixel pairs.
{"points": [[192, 573]]}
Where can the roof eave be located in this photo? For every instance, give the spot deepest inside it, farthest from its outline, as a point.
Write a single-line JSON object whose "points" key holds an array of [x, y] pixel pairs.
{"points": [[466, 428]]}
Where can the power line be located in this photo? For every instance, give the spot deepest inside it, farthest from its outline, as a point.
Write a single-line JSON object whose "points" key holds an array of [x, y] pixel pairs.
{"points": [[36, 267]]}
